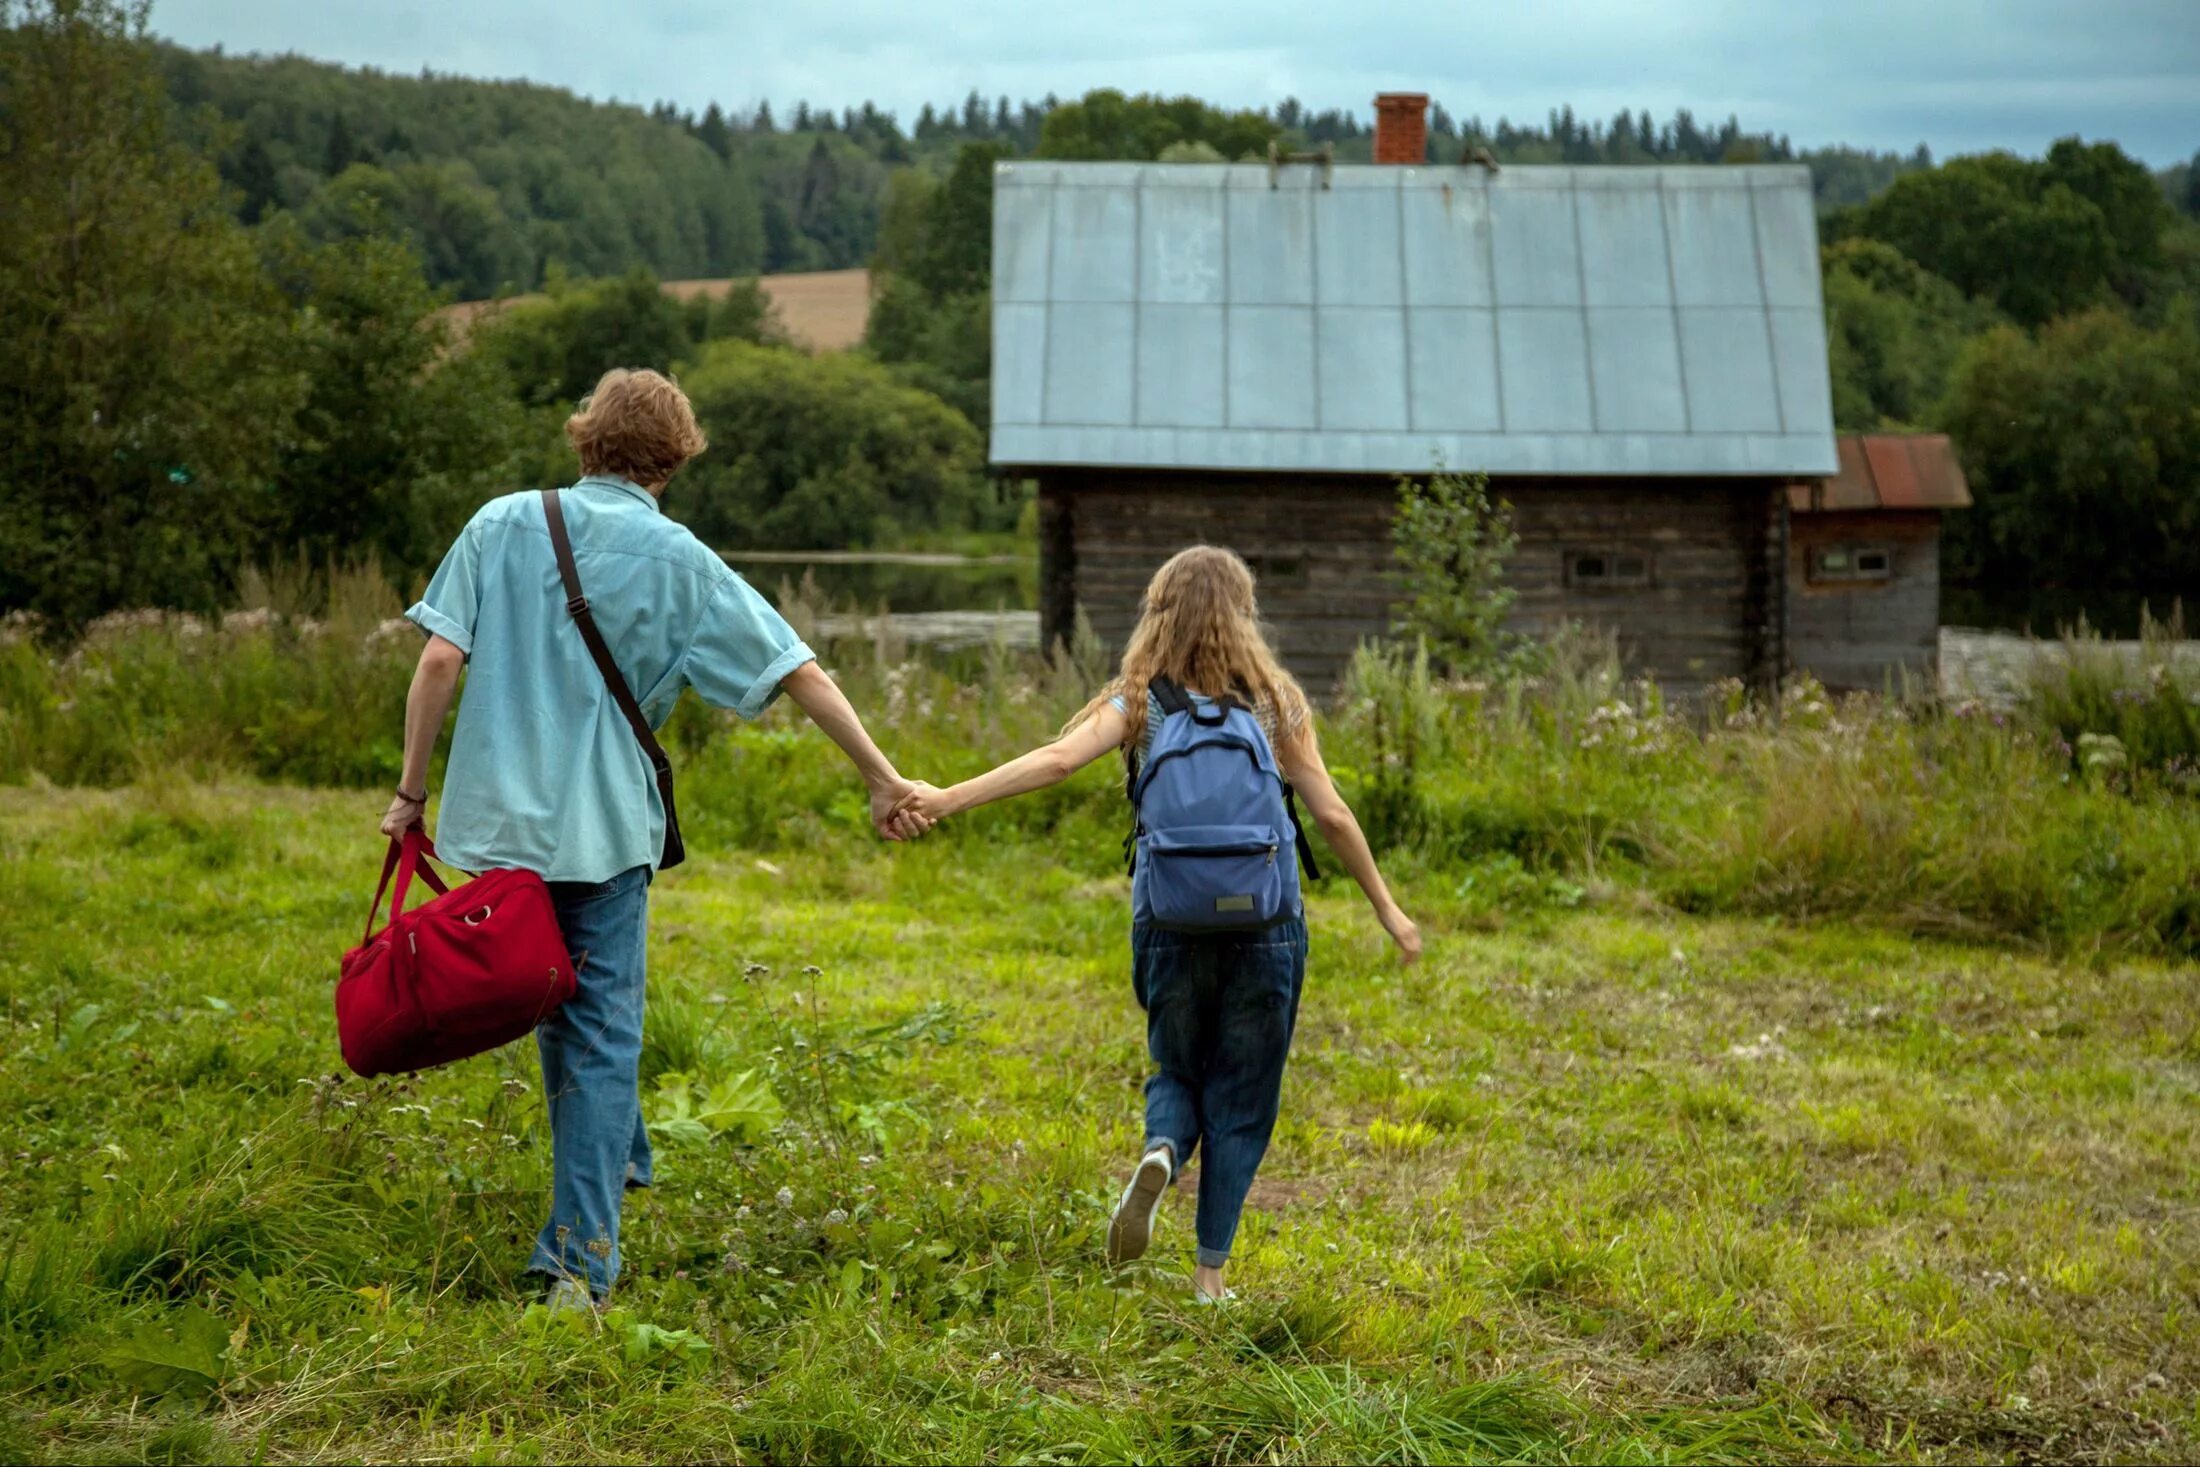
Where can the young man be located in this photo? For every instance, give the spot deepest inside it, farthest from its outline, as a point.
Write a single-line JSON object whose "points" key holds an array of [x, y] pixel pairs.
{"points": [[546, 774]]}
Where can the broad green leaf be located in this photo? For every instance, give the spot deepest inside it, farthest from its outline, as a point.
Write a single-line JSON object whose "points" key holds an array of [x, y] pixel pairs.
{"points": [[742, 1105], [187, 1361], [646, 1342]]}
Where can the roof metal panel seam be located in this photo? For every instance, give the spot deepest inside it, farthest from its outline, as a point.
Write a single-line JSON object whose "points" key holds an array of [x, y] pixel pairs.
{"points": [[1764, 296], [1405, 318], [1046, 324], [1672, 285], [1314, 291], [1581, 273], [1497, 340], [1222, 384], [1138, 281]]}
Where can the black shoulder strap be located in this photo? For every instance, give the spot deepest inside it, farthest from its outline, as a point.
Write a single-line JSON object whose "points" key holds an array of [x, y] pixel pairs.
{"points": [[576, 605], [1298, 833], [1173, 699]]}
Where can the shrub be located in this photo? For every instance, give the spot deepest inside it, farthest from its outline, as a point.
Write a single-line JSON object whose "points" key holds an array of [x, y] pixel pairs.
{"points": [[823, 451]]}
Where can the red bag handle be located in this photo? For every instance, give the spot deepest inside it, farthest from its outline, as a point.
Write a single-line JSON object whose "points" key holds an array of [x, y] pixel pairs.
{"points": [[404, 858]]}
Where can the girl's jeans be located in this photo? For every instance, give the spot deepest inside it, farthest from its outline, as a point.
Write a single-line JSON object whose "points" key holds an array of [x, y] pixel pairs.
{"points": [[1220, 1009], [591, 1076]]}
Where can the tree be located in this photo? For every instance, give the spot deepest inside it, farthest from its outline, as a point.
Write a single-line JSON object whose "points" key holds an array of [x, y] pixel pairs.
{"points": [[713, 132], [2082, 449], [1449, 540], [1894, 332], [552, 351], [2120, 186], [822, 451], [442, 210], [342, 151], [957, 254], [399, 438], [2011, 231], [138, 381], [1107, 124], [255, 179]]}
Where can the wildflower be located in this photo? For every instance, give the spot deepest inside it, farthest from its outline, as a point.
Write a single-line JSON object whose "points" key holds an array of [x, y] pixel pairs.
{"points": [[784, 1197], [836, 1217]]}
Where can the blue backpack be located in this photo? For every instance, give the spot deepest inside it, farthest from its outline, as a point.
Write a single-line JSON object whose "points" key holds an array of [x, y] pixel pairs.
{"points": [[1216, 824]]}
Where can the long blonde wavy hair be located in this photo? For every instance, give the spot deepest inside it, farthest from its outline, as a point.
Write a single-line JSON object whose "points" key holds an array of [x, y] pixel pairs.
{"points": [[1199, 626]]}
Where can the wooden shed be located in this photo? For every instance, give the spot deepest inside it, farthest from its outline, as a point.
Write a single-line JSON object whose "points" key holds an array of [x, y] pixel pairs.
{"points": [[1252, 354], [1864, 561]]}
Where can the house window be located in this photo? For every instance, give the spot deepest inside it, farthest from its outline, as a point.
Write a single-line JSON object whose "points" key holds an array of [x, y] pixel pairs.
{"points": [[1277, 570], [1606, 570], [1851, 563]]}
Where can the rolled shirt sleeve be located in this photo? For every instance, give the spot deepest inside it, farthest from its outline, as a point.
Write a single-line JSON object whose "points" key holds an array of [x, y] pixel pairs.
{"points": [[452, 604], [742, 650]]}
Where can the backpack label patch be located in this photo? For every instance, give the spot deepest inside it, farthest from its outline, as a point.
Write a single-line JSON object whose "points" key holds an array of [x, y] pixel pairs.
{"points": [[1234, 903]]}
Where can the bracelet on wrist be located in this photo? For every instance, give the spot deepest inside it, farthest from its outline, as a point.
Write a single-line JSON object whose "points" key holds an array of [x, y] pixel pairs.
{"points": [[408, 795]]}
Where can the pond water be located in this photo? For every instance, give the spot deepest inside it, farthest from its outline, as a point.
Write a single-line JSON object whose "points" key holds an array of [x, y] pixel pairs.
{"points": [[949, 603], [902, 582]]}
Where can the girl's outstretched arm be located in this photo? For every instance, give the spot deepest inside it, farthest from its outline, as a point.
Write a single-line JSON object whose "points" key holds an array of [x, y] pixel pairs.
{"points": [[1300, 758], [1048, 765]]}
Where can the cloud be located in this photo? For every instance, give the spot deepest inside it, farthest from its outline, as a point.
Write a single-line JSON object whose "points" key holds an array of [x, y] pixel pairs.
{"points": [[1960, 75]]}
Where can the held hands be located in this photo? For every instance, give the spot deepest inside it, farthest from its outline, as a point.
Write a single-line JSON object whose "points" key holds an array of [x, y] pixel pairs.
{"points": [[891, 815], [930, 802]]}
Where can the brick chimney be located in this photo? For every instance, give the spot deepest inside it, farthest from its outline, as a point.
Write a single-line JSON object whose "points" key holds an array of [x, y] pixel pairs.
{"points": [[1401, 127]]}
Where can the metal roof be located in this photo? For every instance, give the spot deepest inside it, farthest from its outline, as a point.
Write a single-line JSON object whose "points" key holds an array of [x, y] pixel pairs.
{"points": [[1385, 319], [1888, 471]]}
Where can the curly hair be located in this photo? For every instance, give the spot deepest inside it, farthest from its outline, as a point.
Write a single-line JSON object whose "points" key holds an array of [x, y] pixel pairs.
{"points": [[637, 424]]}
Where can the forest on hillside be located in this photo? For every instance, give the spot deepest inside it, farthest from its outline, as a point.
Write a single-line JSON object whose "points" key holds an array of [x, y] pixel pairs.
{"points": [[497, 182]]}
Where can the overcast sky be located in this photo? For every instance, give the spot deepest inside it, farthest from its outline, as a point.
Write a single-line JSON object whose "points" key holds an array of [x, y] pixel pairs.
{"points": [[1958, 75]]}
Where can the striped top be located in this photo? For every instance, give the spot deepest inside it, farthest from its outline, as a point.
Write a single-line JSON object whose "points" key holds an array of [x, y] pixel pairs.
{"points": [[1264, 714]]}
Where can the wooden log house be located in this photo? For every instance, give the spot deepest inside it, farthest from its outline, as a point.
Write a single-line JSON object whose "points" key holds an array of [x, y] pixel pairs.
{"points": [[1864, 562], [1251, 354]]}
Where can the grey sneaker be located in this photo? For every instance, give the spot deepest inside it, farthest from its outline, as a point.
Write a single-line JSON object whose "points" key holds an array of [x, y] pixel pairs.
{"points": [[566, 1296], [1131, 1229]]}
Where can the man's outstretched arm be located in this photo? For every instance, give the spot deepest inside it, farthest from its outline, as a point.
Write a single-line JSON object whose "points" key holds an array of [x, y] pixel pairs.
{"points": [[828, 707]]}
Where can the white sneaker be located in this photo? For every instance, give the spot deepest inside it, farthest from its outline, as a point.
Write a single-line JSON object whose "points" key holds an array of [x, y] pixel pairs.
{"points": [[1131, 1229]]}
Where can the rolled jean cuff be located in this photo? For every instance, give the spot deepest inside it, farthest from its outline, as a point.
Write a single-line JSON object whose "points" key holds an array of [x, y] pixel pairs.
{"points": [[1213, 1257]]}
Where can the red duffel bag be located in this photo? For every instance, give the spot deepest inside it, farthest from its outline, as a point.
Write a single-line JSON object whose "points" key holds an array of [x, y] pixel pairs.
{"points": [[473, 969]]}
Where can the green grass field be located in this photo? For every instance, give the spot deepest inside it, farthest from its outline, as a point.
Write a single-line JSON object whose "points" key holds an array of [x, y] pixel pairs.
{"points": [[1596, 1182]]}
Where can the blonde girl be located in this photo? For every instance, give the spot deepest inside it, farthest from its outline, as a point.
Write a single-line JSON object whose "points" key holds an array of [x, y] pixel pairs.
{"points": [[1220, 1005]]}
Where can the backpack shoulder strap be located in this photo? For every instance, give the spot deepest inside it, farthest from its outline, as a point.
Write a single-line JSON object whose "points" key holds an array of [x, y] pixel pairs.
{"points": [[1298, 833], [576, 605], [1172, 698]]}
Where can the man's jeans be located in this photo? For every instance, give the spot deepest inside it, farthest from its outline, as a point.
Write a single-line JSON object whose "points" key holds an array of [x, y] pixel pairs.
{"points": [[591, 1077], [1220, 1009]]}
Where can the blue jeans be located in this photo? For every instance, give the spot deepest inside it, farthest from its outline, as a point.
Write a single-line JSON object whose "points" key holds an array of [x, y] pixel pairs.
{"points": [[1220, 1008], [591, 1077]]}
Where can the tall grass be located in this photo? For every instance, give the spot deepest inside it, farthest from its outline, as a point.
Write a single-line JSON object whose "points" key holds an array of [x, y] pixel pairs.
{"points": [[2072, 819]]}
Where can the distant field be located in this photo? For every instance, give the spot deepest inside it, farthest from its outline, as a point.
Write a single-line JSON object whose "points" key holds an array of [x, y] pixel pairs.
{"points": [[825, 310]]}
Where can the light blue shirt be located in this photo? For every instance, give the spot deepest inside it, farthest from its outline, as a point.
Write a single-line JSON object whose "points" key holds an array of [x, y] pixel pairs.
{"points": [[545, 774]]}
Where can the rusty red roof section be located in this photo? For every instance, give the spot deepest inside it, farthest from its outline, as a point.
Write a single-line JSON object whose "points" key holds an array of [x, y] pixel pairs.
{"points": [[1887, 471]]}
